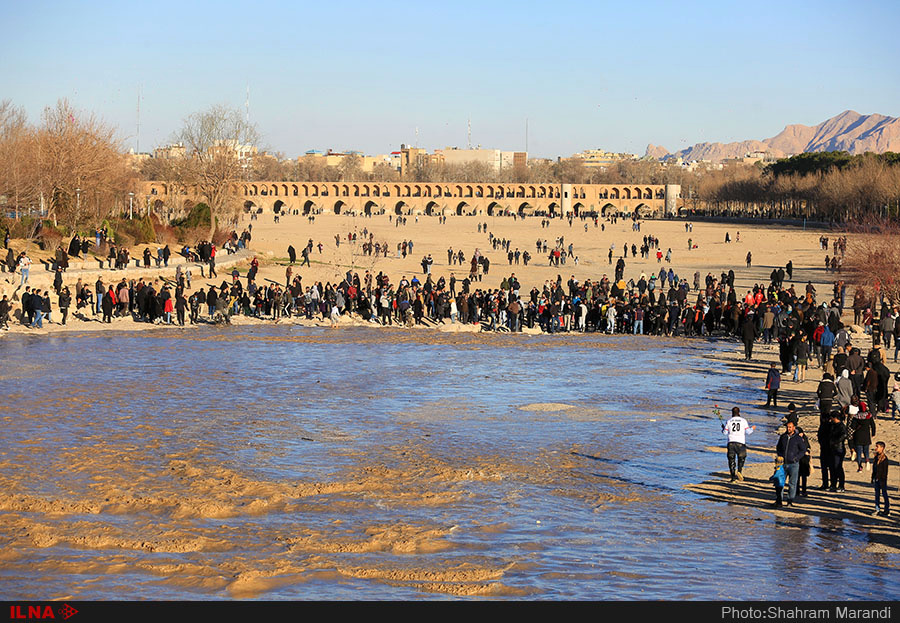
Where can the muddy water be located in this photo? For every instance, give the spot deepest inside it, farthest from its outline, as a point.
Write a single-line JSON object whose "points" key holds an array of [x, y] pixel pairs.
{"points": [[284, 463]]}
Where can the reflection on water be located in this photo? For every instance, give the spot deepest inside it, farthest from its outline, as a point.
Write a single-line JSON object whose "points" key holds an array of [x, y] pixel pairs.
{"points": [[294, 463]]}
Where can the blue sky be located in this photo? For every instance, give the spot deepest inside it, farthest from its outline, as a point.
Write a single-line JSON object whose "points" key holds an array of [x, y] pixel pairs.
{"points": [[365, 75]]}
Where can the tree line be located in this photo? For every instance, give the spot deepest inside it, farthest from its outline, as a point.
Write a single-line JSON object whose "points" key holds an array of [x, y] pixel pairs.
{"points": [[830, 186], [72, 168], [70, 165]]}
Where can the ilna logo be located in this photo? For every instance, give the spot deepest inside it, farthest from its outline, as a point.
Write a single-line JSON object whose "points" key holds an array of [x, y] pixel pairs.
{"points": [[41, 612]]}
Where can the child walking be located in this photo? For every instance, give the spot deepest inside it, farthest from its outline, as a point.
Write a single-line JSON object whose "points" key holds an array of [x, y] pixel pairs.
{"points": [[778, 479]]}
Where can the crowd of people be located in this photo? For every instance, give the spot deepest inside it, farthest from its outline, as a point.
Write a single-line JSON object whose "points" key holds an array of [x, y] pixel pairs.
{"points": [[854, 393]]}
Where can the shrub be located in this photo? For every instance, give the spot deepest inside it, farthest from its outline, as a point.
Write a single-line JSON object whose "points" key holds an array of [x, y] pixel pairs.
{"points": [[22, 227], [199, 216], [124, 240], [49, 237]]}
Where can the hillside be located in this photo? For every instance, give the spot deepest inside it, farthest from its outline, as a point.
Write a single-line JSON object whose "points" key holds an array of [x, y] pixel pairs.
{"points": [[848, 131]]}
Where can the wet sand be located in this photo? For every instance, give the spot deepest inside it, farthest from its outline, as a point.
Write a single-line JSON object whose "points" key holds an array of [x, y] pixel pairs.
{"points": [[185, 505]]}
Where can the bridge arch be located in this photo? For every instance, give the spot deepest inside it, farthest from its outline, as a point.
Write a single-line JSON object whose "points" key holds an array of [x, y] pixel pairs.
{"points": [[461, 209], [432, 208], [494, 209], [339, 206], [400, 208], [278, 206], [608, 209], [370, 208], [308, 207]]}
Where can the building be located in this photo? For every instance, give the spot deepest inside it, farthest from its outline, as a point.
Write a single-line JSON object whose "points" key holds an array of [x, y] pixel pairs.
{"points": [[598, 158], [496, 159], [175, 150], [412, 159]]}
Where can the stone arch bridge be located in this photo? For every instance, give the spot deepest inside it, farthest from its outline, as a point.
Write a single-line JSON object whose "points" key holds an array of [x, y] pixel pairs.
{"points": [[432, 198]]}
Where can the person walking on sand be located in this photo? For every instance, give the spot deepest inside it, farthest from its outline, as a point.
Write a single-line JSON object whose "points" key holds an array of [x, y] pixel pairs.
{"points": [[791, 447], [736, 429], [773, 384], [749, 258], [778, 479]]}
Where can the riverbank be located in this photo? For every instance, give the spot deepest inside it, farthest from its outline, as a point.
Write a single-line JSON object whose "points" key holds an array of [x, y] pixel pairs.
{"points": [[771, 247], [856, 504]]}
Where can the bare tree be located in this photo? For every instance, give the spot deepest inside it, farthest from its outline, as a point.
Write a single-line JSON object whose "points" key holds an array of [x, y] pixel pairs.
{"points": [[873, 259], [270, 167], [16, 150], [80, 166], [383, 172], [350, 168], [219, 142]]}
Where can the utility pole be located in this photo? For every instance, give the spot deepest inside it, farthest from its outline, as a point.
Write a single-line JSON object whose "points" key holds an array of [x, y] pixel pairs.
{"points": [[244, 163]]}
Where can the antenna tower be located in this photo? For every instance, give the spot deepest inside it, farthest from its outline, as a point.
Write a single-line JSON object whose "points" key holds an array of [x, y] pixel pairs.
{"points": [[137, 147]]}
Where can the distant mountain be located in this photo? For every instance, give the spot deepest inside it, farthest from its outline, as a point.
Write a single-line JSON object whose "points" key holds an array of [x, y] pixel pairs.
{"points": [[848, 131]]}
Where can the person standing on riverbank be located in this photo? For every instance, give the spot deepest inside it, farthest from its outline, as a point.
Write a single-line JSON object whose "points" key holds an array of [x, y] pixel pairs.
{"points": [[736, 429], [879, 479], [24, 267], [748, 335]]}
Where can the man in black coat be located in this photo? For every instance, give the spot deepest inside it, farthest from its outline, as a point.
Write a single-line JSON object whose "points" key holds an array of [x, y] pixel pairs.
{"points": [[211, 297], [748, 335], [27, 306], [107, 306], [792, 447], [4, 313]]}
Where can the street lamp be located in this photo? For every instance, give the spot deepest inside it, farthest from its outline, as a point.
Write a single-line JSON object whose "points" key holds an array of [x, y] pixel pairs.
{"points": [[78, 200], [130, 206]]}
